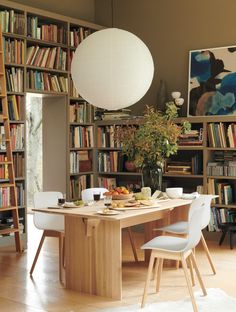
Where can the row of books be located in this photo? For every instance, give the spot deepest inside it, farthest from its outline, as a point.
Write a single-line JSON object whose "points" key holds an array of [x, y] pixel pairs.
{"points": [[12, 22], [110, 161], [16, 134], [14, 79], [108, 183], [221, 169], [43, 81], [52, 32], [223, 189], [81, 136], [77, 184], [73, 92], [80, 162], [80, 112], [54, 58], [221, 135], [105, 136], [16, 107], [18, 161], [191, 137], [219, 216], [78, 35], [14, 51]]}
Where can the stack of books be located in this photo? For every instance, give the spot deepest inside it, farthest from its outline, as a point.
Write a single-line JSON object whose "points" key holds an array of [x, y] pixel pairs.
{"points": [[191, 137], [119, 114]]}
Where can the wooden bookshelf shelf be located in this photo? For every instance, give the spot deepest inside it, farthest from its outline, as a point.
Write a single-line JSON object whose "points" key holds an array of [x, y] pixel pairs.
{"points": [[15, 93], [47, 69], [194, 176], [47, 43], [121, 173], [45, 92], [231, 206], [109, 148], [222, 177], [14, 36], [190, 147], [81, 173], [14, 65], [76, 98], [81, 148]]}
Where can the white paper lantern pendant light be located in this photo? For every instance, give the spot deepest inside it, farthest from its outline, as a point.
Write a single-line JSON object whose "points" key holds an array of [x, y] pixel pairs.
{"points": [[112, 69]]}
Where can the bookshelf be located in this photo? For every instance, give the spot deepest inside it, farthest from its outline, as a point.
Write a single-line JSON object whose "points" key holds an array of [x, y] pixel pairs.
{"points": [[38, 49]]}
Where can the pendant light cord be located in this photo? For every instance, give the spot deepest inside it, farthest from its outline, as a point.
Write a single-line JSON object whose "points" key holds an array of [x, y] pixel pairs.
{"points": [[112, 13]]}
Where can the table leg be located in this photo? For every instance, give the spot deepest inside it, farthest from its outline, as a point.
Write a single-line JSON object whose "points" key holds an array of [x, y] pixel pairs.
{"points": [[93, 256]]}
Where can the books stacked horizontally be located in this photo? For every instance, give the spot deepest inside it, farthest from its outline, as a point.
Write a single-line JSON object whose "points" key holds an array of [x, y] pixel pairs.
{"points": [[184, 167], [118, 114], [191, 137]]}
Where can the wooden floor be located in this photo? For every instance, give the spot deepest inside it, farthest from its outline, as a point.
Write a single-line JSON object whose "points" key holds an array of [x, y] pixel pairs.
{"points": [[18, 292]]}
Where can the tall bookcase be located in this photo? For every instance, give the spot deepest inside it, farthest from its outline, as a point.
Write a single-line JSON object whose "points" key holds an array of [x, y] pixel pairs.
{"points": [[212, 161], [39, 47]]}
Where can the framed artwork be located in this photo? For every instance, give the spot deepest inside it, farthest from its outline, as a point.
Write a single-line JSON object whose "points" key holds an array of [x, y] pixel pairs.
{"points": [[212, 82]]}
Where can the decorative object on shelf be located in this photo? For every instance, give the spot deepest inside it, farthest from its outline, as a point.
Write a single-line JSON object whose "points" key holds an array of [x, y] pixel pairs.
{"points": [[112, 69], [150, 142], [162, 96], [212, 82]]}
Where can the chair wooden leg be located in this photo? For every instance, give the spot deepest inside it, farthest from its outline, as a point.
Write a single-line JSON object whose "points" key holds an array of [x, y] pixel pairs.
{"points": [[198, 274], [63, 252], [208, 253], [231, 239], [149, 274], [155, 272], [132, 244], [191, 270], [37, 253], [159, 272], [195, 309]]}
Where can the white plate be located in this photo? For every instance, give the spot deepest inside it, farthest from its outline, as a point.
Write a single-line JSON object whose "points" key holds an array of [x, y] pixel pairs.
{"points": [[110, 213]]}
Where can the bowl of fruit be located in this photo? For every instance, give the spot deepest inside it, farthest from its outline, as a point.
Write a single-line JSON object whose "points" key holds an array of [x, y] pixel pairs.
{"points": [[121, 193]]}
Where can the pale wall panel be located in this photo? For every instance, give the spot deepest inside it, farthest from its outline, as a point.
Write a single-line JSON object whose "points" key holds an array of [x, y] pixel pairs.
{"points": [[171, 28]]}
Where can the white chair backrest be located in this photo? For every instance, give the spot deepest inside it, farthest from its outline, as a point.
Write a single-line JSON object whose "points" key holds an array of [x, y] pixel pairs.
{"points": [[47, 221], [87, 194], [196, 213], [206, 212]]}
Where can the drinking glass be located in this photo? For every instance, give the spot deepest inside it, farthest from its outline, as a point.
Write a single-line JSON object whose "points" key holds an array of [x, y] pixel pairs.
{"points": [[107, 202], [96, 196]]}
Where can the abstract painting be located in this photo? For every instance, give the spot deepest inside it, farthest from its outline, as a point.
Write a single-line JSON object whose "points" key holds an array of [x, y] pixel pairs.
{"points": [[212, 82]]}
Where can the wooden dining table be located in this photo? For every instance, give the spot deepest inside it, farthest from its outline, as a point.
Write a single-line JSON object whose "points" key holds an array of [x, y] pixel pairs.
{"points": [[93, 242]]}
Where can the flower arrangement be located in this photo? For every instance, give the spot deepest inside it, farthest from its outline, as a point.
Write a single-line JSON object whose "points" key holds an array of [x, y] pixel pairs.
{"points": [[153, 139]]}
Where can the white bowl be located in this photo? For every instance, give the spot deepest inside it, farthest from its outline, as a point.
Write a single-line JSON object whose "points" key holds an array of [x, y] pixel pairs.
{"points": [[174, 192]]}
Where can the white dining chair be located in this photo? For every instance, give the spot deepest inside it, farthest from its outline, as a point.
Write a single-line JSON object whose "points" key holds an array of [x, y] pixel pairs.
{"points": [[177, 248], [182, 228], [52, 225], [87, 195]]}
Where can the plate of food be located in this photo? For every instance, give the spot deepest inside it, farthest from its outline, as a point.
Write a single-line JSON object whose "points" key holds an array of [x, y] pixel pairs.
{"points": [[108, 212], [75, 204]]}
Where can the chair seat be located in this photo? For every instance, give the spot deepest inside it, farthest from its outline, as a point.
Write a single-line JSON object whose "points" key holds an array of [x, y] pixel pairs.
{"points": [[176, 228], [166, 243]]}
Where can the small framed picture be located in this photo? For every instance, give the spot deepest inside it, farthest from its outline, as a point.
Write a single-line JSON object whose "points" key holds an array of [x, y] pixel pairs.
{"points": [[212, 82]]}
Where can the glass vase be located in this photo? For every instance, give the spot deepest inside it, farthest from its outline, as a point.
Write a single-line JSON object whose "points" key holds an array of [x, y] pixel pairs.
{"points": [[152, 177]]}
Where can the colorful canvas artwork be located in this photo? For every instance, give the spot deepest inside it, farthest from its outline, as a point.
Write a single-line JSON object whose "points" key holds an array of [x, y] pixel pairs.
{"points": [[212, 82]]}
